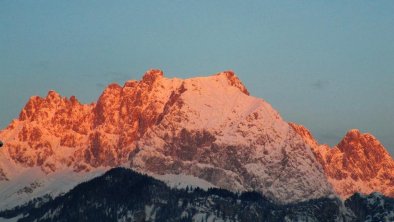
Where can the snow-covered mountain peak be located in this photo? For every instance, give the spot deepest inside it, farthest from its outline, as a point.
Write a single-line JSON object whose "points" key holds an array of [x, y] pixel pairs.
{"points": [[233, 80], [204, 127]]}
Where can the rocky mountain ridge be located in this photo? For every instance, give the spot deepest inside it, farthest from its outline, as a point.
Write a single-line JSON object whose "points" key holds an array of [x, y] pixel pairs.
{"points": [[206, 127], [359, 163]]}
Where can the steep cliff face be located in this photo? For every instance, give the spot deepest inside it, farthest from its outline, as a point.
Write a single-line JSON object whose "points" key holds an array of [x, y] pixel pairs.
{"points": [[213, 130], [359, 163], [47, 131], [56, 132], [207, 127]]}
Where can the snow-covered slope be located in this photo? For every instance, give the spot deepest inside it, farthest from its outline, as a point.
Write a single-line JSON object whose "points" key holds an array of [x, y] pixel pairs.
{"points": [[206, 127], [31, 183], [359, 163], [124, 195], [215, 131]]}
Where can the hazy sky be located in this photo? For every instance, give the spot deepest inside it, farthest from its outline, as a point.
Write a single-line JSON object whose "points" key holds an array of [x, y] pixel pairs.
{"points": [[328, 65]]}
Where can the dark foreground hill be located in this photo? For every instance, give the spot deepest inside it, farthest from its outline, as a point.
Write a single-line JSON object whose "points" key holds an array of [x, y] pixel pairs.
{"points": [[124, 195]]}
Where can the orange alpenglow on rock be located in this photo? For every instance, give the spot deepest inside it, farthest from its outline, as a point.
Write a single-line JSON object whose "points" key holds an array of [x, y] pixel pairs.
{"points": [[359, 163], [208, 128]]}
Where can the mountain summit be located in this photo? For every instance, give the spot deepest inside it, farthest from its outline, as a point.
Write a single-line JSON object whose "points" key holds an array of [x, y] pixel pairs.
{"points": [[359, 163], [206, 129]]}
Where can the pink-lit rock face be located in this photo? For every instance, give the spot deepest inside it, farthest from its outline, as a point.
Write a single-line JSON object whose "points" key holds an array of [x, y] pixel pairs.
{"points": [[359, 163], [86, 136], [234, 81], [207, 127]]}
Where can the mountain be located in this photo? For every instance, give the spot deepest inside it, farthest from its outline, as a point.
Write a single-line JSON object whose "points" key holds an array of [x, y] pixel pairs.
{"points": [[359, 163], [204, 131], [208, 128], [124, 195]]}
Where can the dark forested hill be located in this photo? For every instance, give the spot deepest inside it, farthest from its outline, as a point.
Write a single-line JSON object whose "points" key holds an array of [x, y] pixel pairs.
{"points": [[124, 195]]}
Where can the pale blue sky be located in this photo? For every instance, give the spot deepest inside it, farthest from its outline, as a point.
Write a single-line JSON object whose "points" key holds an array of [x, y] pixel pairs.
{"points": [[328, 65]]}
